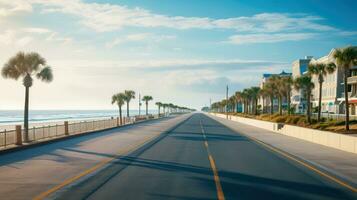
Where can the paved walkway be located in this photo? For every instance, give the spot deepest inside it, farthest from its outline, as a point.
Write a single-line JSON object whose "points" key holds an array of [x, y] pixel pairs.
{"points": [[27, 173], [341, 163]]}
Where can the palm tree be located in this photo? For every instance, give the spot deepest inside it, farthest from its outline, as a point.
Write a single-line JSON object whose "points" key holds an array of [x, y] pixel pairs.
{"points": [[238, 97], [264, 94], [304, 83], [232, 103], [119, 99], [159, 104], [254, 93], [245, 97], [346, 58], [320, 70], [129, 95], [27, 66], [287, 88], [278, 82], [147, 99], [270, 89]]}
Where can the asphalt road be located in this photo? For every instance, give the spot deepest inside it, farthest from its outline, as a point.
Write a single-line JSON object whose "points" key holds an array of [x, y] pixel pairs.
{"points": [[203, 159]]}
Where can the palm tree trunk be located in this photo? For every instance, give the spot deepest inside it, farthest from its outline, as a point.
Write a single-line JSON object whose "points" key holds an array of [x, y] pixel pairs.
{"points": [[26, 115], [271, 105], [280, 105], [127, 108], [121, 120], [289, 102], [256, 106], [146, 104], [320, 98], [347, 112], [159, 112], [308, 108]]}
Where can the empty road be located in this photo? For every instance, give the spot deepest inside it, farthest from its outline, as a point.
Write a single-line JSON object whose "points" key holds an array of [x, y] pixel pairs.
{"points": [[203, 159]]}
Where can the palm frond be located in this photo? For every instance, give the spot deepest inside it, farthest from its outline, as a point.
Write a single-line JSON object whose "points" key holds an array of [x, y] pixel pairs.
{"points": [[45, 74]]}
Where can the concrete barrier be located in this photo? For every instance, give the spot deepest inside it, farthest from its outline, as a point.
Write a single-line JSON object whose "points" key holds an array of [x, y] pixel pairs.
{"points": [[326, 138]]}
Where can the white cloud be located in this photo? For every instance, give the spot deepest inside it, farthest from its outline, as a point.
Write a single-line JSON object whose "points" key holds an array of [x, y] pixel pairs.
{"points": [[109, 17], [24, 41], [10, 7], [269, 38], [37, 30], [147, 37]]}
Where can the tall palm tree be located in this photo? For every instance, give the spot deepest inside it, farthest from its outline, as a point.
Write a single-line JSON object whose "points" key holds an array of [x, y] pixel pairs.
{"points": [[270, 89], [346, 58], [288, 84], [27, 66], [119, 99], [278, 82], [320, 70], [238, 97], [254, 92], [304, 83], [263, 93], [232, 103], [129, 95], [159, 104], [147, 99], [245, 96]]}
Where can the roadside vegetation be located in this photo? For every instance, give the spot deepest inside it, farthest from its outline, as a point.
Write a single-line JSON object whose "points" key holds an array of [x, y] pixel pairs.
{"points": [[278, 89]]}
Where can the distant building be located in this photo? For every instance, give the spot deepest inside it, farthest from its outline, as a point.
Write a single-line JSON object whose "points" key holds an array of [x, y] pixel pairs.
{"points": [[265, 102], [299, 67]]}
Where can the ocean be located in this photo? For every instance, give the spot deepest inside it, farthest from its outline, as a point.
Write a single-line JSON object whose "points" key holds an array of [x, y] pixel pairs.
{"points": [[9, 117]]}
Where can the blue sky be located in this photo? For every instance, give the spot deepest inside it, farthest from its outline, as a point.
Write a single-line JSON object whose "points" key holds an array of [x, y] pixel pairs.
{"points": [[183, 52]]}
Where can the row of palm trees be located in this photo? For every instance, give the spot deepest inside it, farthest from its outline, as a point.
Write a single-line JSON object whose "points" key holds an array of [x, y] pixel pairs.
{"points": [[125, 97], [280, 88], [169, 107]]}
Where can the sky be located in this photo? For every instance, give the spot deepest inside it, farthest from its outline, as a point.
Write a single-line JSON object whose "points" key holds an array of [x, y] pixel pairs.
{"points": [[183, 52]]}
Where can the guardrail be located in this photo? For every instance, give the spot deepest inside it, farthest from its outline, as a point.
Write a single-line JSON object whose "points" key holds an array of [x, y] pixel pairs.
{"points": [[10, 137], [334, 116]]}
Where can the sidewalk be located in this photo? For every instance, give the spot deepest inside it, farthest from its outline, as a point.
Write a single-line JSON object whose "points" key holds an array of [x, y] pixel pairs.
{"points": [[340, 163]]}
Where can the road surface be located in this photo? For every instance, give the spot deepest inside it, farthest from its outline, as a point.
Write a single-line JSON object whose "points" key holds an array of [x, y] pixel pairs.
{"points": [[203, 159]]}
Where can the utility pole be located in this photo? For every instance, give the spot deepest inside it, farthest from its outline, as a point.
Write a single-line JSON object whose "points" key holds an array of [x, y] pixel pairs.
{"points": [[227, 102], [210, 104]]}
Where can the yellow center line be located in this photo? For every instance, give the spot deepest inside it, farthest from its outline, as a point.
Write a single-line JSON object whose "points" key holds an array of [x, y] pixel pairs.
{"points": [[219, 189], [91, 170], [342, 183]]}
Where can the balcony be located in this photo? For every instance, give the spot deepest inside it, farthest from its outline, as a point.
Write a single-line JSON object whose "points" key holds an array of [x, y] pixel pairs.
{"points": [[352, 80]]}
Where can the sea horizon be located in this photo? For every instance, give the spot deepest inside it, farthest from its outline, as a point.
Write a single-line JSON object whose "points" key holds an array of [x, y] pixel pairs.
{"points": [[14, 116]]}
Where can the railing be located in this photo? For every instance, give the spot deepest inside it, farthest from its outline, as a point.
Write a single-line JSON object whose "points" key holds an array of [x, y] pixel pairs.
{"points": [[334, 116], [8, 137]]}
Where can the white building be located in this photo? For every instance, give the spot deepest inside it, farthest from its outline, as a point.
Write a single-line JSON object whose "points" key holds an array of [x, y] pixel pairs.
{"points": [[299, 67], [332, 88]]}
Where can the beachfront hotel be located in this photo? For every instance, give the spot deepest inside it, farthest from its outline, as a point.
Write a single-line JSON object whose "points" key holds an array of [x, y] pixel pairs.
{"points": [[332, 88]]}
